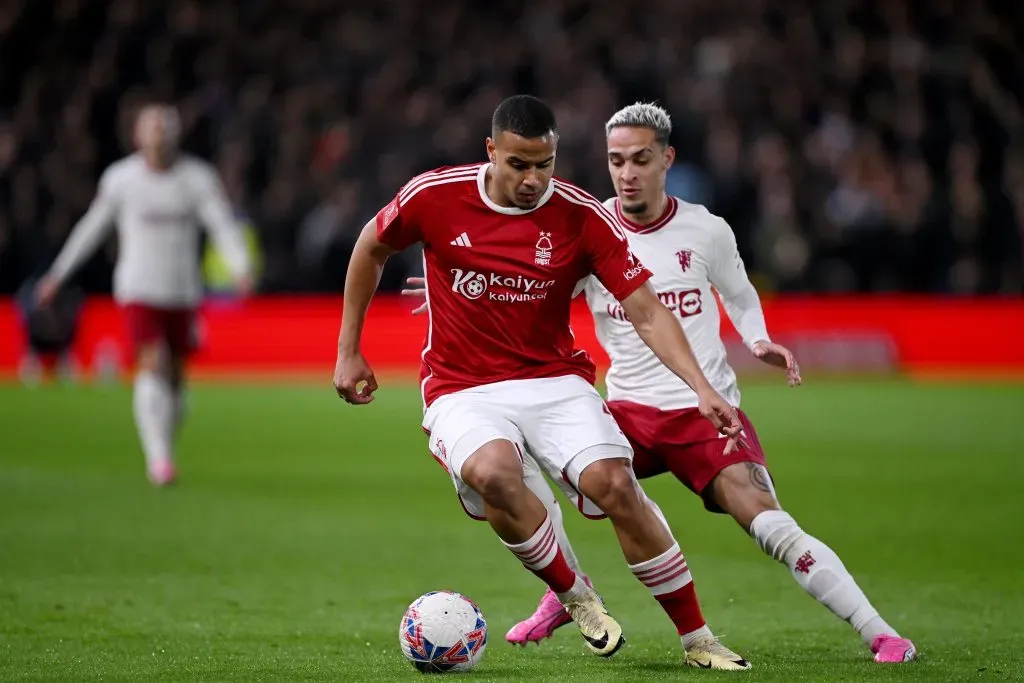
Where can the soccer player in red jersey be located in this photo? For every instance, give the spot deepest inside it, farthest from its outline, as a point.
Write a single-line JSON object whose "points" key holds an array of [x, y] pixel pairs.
{"points": [[691, 251], [505, 245]]}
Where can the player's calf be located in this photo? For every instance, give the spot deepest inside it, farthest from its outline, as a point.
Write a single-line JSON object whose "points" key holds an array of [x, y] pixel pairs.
{"points": [[653, 554], [517, 515], [153, 402], [744, 490]]}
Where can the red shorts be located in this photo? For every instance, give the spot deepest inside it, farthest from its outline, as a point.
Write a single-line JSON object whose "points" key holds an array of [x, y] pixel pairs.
{"points": [[174, 327], [682, 442]]}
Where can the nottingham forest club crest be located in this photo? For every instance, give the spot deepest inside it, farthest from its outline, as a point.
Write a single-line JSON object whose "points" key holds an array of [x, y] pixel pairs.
{"points": [[684, 257], [543, 253]]}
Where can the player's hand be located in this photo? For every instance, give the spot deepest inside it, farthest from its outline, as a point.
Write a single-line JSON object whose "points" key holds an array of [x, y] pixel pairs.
{"points": [[354, 380], [419, 289], [780, 357], [46, 291], [716, 409]]}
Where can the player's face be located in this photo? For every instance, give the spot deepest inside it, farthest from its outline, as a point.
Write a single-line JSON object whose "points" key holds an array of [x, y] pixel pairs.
{"points": [[638, 164], [156, 131], [522, 167]]}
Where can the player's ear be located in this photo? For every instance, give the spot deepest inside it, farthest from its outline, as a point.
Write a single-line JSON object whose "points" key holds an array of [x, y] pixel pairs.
{"points": [[670, 156], [491, 150]]}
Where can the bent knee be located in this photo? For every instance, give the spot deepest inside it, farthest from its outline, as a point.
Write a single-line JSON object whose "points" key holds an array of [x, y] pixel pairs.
{"points": [[613, 487], [495, 472], [744, 490]]}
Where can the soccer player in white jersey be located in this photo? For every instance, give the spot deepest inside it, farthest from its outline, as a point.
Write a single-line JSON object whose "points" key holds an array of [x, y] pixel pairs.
{"points": [[690, 251], [157, 197]]}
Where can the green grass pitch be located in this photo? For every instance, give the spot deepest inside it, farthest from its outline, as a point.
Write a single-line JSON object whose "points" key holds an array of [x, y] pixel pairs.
{"points": [[302, 527]]}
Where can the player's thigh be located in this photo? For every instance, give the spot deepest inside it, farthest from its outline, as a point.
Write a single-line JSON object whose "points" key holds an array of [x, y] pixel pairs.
{"points": [[569, 429], [459, 426], [147, 335], [742, 487], [694, 451], [180, 333], [634, 421]]}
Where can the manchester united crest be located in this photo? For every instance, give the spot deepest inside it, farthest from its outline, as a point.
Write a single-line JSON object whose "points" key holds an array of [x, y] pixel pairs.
{"points": [[684, 257]]}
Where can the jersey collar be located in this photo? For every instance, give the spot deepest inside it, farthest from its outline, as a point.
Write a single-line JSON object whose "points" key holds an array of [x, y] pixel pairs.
{"points": [[481, 186], [671, 206]]}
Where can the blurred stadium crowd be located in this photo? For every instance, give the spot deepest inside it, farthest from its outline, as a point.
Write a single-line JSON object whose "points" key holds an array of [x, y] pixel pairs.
{"points": [[852, 145]]}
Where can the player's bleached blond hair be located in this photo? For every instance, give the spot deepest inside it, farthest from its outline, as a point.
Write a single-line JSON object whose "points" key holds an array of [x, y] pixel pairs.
{"points": [[642, 115]]}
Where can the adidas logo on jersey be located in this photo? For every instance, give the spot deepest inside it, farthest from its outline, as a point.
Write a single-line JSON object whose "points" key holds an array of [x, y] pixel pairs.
{"points": [[461, 241]]}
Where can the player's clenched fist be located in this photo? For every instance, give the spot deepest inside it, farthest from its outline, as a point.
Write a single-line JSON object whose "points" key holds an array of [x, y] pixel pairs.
{"points": [[354, 380]]}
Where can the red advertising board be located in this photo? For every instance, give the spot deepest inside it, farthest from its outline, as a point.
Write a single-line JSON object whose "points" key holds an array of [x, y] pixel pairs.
{"points": [[297, 335]]}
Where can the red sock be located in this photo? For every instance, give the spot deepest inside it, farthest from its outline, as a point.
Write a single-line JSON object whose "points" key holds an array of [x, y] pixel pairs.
{"points": [[542, 555], [668, 578]]}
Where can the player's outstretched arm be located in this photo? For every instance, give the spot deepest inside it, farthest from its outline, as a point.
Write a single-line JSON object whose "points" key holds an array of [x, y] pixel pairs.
{"points": [[658, 328], [219, 221], [353, 378], [85, 238], [743, 305]]}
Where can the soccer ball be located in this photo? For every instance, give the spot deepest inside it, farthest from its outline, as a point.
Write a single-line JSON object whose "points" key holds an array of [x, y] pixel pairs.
{"points": [[443, 631]]}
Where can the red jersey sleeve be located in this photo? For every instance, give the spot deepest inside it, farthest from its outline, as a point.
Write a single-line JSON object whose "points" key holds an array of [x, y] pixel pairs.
{"points": [[610, 257], [397, 223]]}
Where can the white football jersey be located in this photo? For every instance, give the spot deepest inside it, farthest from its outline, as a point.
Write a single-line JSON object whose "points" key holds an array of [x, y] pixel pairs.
{"points": [[689, 251], [157, 214]]}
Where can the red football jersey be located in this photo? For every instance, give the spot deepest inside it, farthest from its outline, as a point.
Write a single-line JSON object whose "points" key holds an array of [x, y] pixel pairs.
{"points": [[500, 280]]}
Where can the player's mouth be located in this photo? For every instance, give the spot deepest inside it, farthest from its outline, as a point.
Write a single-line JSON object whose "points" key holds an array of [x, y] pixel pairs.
{"points": [[527, 197], [630, 192]]}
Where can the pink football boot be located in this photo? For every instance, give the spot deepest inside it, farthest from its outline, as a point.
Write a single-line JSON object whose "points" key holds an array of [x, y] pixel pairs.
{"points": [[549, 616], [162, 473], [893, 650]]}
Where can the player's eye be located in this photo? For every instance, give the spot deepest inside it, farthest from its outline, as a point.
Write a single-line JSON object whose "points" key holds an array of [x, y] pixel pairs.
{"points": [[616, 162]]}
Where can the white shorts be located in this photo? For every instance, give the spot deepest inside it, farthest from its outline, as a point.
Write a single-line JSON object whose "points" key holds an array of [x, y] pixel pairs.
{"points": [[550, 422]]}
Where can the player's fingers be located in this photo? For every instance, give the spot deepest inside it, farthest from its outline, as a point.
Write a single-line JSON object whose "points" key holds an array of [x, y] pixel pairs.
{"points": [[414, 292], [716, 419], [419, 310], [416, 281], [730, 446], [370, 386], [732, 422]]}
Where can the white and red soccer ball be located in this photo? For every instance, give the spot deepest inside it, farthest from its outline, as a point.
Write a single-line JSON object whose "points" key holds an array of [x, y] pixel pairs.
{"points": [[443, 631]]}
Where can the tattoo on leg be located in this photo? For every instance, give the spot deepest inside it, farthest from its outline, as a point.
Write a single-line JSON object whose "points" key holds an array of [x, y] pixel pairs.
{"points": [[759, 477]]}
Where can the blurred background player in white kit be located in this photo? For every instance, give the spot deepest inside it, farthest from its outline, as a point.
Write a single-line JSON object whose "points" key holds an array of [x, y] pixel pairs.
{"points": [[690, 251], [157, 197]]}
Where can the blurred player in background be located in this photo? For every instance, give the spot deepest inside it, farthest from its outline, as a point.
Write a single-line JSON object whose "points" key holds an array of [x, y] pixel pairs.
{"points": [[505, 244], [690, 252], [157, 197]]}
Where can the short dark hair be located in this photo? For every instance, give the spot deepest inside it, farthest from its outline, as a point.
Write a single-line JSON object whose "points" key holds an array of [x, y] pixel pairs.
{"points": [[524, 115]]}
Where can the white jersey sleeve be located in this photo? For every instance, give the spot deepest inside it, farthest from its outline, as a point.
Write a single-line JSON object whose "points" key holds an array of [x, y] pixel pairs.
{"points": [[215, 213], [729, 276], [91, 229]]}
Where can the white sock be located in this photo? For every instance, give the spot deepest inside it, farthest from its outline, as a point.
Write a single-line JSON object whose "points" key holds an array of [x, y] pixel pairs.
{"points": [[578, 589], [153, 401], [819, 571], [536, 482], [691, 638]]}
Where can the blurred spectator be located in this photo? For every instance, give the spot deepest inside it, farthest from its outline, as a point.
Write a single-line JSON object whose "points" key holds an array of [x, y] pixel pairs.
{"points": [[870, 146]]}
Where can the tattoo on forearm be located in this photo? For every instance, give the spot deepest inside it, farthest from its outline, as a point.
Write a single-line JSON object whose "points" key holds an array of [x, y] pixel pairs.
{"points": [[759, 477]]}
